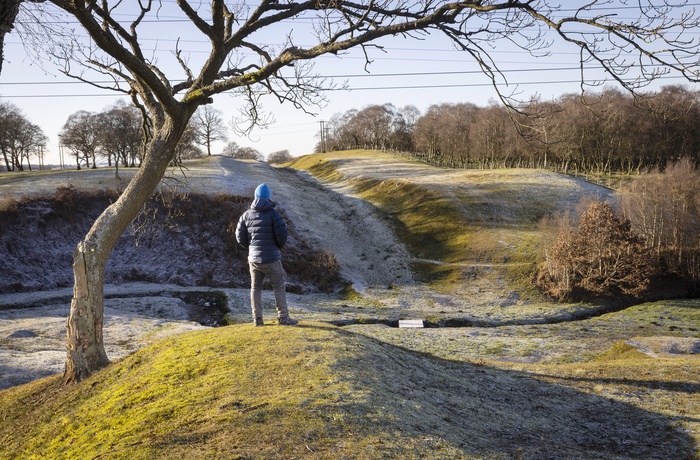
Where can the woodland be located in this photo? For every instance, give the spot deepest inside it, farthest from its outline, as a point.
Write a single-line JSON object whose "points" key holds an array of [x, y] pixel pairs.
{"points": [[607, 132]]}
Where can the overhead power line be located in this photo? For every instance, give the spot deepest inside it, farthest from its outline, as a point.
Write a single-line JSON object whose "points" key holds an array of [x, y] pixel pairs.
{"points": [[372, 88], [358, 75]]}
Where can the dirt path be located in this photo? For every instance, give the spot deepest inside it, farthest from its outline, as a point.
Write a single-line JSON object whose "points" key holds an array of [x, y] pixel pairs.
{"points": [[367, 250], [350, 228]]}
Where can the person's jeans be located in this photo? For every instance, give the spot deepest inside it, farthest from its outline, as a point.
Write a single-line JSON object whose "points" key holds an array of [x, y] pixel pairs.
{"points": [[275, 273]]}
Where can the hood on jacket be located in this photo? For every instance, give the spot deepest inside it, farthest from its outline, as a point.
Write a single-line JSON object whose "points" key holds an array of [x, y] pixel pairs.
{"points": [[262, 204]]}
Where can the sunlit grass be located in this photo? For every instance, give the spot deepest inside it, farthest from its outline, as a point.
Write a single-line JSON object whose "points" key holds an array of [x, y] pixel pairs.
{"points": [[482, 218], [317, 392], [235, 392]]}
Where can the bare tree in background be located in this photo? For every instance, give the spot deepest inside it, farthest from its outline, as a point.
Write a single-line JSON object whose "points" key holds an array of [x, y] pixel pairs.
{"points": [[658, 39], [664, 209], [209, 126], [19, 138], [248, 153], [279, 157], [188, 147], [81, 135], [233, 150], [120, 134]]}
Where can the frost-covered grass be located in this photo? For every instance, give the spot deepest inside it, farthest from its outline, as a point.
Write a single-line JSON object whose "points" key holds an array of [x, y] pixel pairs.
{"points": [[318, 392], [455, 220], [530, 379], [183, 239]]}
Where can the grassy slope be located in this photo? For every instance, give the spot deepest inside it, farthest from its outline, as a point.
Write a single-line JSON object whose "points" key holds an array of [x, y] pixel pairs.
{"points": [[469, 233], [317, 392], [490, 217]]}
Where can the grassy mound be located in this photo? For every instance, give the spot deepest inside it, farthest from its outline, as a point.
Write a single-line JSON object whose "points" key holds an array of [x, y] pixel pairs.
{"points": [[317, 392], [621, 351], [454, 220]]}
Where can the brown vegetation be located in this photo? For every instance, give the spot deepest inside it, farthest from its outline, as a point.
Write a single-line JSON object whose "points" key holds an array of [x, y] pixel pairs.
{"points": [[664, 208], [178, 239], [652, 252], [602, 258]]}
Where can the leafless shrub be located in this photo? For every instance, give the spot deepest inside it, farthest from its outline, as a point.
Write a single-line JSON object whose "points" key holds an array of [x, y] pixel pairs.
{"points": [[65, 194], [279, 157], [664, 208], [600, 258], [312, 266]]}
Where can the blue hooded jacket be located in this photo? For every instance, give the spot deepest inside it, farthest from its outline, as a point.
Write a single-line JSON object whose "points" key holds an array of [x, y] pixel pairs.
{"points": [[263, 231]]}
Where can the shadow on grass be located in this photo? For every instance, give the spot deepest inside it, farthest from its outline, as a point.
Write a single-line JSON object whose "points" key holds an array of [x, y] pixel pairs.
{"points": [[493, 413], [675, 387]]}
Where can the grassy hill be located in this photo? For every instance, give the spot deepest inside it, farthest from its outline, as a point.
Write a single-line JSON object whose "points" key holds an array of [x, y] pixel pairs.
{"points": [[454, 221], [318, 392], [530, 380]]}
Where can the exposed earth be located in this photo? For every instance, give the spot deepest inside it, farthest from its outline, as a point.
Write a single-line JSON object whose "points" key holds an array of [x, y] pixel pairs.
{"points": [[332, 217]]}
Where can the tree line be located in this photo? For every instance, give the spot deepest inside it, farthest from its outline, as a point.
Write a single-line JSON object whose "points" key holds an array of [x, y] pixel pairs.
{"points": [[117, 135], [606, 132], [20, 139]]}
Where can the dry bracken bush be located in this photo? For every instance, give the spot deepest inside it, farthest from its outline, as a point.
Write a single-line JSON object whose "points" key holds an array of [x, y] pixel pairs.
{"points": [[602, 258]]}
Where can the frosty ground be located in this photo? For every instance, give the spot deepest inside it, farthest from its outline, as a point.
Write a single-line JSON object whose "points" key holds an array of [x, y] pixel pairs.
{"points": [[32, 338], [32, 325]]}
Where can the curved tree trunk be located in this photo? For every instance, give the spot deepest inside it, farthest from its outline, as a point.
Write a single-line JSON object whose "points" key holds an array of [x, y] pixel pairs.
{"points": [[85, 345]]}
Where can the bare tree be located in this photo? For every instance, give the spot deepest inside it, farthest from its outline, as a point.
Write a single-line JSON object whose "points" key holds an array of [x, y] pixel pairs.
{"points": [[658, 41], [341, 134], [80, 134], [233, 150], [375, 127], [29, 140], [248, 153], [187, 148], [404, 120], [230, 149], [8, 13], [11, 121], [120, 134], [443, 134], [209, 127], [278, 157], [664, 208], [19, 138]]}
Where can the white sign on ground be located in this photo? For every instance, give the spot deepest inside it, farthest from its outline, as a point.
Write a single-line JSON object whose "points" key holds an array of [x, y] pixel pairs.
{"points": [[411, 323]]}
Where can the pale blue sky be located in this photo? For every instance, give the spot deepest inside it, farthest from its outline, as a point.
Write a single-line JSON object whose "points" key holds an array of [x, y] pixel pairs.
{"points": [[417, 72]]}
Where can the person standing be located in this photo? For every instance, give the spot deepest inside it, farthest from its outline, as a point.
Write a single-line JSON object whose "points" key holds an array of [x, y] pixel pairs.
{"points": [[262, 230]]}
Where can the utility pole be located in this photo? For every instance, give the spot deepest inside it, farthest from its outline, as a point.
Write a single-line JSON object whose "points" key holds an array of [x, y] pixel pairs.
{"points": [[323, 136], [60, 154], [40, 154]]}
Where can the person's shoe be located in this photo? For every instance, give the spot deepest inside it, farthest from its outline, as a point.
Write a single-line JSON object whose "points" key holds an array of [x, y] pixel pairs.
{"points": [[287, 321], [259, 322]]}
